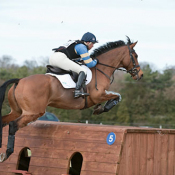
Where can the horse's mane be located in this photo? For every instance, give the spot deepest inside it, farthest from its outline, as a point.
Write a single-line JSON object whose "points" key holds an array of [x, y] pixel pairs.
{"points": [[109, 46]]}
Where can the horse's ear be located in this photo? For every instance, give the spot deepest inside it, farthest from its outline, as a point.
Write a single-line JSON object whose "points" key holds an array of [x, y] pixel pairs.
{"points": [[133, 45]]}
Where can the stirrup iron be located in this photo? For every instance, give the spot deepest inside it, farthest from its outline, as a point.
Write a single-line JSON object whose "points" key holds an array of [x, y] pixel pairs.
{"points": [[78, 93]]}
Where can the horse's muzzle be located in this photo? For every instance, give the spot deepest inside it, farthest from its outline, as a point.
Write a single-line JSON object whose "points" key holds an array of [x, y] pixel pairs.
{"points": [[138, 76]]}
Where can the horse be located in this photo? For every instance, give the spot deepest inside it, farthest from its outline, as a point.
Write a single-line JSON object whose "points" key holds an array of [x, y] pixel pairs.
{"points": [[29, 96]]}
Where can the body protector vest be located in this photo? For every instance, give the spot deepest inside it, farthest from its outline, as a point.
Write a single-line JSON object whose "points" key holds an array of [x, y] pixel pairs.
{"points": [[69, 49]]}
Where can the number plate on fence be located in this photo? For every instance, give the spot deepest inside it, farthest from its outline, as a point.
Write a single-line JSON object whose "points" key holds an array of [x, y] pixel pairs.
{"points": [[110, 138]]}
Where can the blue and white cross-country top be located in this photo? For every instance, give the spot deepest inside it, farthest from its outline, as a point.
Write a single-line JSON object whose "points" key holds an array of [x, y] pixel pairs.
{"points": [[82, 50]]}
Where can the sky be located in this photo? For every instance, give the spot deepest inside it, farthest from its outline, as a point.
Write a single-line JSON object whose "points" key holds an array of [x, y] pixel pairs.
{"points": [[30, 29]]}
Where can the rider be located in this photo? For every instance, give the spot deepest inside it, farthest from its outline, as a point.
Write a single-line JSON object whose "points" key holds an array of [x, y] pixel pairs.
{"points": [[66, 56]]}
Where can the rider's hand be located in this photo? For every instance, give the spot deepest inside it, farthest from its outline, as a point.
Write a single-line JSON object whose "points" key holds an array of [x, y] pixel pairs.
{"points": [[96, 60]]}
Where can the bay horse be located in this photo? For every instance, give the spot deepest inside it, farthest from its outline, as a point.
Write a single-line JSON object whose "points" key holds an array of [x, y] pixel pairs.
{"points": [[29, 96]]}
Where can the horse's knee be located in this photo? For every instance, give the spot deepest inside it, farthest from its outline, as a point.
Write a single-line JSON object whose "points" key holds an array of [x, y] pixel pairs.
{"points": [[113, 95]]}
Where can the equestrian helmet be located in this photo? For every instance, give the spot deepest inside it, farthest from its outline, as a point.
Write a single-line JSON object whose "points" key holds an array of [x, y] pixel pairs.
{"points": [[89, 37]]}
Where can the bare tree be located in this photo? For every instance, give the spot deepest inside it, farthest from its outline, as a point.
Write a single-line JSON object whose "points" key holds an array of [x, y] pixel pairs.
{"points": [[31, 64], [6, 61]]}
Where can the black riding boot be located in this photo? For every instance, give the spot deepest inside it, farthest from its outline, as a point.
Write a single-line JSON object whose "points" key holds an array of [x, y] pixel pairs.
{"points": [[80, 82]]}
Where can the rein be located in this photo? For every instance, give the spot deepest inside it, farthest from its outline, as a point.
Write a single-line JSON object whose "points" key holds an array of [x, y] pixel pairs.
{"points": [[133, 71], [105, 73]]}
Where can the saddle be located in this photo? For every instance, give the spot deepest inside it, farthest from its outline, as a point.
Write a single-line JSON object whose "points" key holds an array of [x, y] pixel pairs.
{"points": [[59, 71]]}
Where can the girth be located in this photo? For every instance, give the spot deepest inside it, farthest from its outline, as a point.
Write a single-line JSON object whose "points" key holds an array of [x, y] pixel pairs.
{"points": [[74, 76]]}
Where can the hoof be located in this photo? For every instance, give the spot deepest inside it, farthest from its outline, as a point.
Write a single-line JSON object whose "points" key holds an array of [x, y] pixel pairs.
{"points": [[3, 157], [98, 109]]}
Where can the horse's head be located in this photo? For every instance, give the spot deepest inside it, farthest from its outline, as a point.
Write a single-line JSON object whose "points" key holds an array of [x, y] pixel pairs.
{"points": [[121, 55], [130, 62]]}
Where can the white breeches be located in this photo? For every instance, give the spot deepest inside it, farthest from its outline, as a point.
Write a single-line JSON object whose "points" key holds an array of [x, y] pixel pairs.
{"points": [[60, 60]]}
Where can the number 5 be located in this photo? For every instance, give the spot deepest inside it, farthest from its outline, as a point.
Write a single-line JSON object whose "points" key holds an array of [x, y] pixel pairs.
{"points": [[111, 138]]}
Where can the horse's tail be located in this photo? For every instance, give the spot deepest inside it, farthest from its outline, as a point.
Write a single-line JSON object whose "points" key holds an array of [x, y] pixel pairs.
{"points": [[2, 97]]}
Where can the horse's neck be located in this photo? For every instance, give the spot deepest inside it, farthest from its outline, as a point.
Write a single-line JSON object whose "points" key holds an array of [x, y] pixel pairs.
{"points": [[112, 58]]}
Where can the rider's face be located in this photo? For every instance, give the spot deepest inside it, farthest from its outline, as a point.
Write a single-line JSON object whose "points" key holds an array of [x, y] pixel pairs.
{"points": [[90, 45]]}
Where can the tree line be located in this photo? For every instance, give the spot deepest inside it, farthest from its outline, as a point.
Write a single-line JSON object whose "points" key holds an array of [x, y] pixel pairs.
{"points": [[148, 102]]}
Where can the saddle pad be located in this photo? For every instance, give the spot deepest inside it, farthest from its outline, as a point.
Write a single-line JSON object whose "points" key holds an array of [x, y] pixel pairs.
{"points": [[67, 81]]}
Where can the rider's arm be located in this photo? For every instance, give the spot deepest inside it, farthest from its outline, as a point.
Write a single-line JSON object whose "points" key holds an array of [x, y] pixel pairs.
{"points": [[81, 50]]}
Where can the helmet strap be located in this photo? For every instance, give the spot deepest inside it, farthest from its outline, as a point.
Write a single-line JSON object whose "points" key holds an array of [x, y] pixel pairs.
{"points": [[89, 43]]}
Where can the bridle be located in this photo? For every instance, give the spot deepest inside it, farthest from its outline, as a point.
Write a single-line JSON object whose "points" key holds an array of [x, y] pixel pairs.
{"points": [[133, 71]]}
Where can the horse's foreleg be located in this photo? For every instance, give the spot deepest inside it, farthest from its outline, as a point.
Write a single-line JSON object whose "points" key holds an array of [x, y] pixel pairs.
{"points": [[112, 95], [113, 99], [13, 128]]}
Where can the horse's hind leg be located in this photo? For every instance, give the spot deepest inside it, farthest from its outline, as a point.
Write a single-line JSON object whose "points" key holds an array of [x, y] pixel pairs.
{"points": [[27, 118], [10, 117], [11, 141], [15, 110], [14, 126]]}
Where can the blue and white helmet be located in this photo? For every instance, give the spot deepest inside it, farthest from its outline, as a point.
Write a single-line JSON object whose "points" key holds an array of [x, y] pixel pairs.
{"points": [[89, 37]]}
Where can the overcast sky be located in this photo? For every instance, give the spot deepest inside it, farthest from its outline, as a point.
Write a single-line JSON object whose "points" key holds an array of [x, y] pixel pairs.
{"points": [[29, 29]]}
